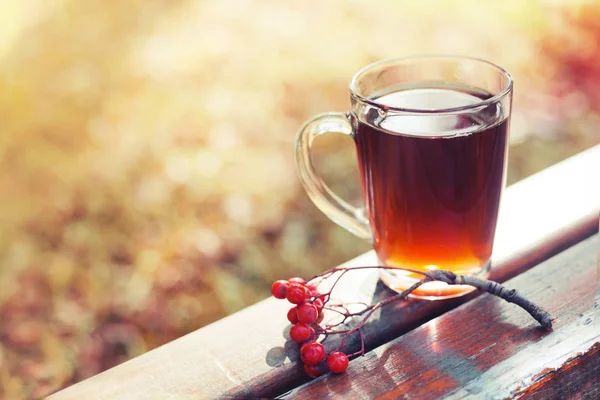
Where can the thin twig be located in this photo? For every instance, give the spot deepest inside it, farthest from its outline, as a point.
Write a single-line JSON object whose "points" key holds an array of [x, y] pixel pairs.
{"points": [[449, 277], [494, 288]]}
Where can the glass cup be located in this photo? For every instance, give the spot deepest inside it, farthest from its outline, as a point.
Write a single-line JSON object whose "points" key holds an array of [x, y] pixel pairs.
{"points": [[431, 137]]}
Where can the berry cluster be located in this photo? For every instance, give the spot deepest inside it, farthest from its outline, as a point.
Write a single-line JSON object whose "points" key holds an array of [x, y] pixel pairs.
{"points": [[305, 317]]}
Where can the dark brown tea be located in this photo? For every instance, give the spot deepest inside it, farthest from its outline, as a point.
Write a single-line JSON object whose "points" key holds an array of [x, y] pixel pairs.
{"points": [[432, 182]]}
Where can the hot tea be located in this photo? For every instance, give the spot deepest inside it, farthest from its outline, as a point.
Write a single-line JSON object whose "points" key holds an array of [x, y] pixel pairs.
{"points": [[432, 182]]}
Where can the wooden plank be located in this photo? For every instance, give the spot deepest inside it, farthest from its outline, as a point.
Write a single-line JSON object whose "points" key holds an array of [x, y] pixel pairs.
{"points": [[243, 355], [578, 377], [488, 348]]}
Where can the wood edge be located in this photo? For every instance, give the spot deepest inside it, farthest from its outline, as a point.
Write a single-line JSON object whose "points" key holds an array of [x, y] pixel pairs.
{"points": [[550, 374]]}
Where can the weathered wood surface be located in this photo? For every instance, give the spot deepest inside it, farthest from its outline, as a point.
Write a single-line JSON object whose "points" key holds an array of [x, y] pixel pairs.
{"points": [[246, 354], [489, 349], [577, 378]]}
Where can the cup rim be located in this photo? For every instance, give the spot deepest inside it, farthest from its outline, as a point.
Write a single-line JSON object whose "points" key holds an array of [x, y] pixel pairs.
{"points": [[352, 87]]}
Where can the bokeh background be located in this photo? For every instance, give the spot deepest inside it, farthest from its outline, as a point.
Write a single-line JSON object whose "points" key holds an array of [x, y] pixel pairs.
{"points": [[147, 183]]}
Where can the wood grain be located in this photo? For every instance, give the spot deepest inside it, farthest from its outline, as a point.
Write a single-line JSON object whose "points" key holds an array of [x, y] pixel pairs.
{"points": [[488, 349], [577, 378], [246, 354]]}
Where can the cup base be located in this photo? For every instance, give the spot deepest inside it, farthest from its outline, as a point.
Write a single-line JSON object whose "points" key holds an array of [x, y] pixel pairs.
{"points": [[401, 280]]}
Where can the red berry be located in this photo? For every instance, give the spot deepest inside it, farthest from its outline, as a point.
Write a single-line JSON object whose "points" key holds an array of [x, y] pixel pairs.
{"points": [[320, 317], [307, 313], [322, 297], [296, 293], [292, 315], [297, 280], [312, 353], [337, 362], [314, 371], [301, 333], [313, 335], [318, 303], [312, 288], [279, 289]]}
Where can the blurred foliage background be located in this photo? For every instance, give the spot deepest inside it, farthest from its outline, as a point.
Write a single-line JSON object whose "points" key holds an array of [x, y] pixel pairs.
{"points": [[148, 185]]}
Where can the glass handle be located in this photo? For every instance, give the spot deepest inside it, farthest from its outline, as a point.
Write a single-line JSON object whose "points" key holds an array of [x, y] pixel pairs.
{"points": [[339, 211]]}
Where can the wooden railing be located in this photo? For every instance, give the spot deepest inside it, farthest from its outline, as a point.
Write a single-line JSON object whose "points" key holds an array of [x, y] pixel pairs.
{"points": [[246, 354]]}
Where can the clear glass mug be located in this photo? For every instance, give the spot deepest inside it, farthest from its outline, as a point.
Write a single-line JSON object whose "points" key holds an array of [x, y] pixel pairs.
{"points": [[431, 137]]}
